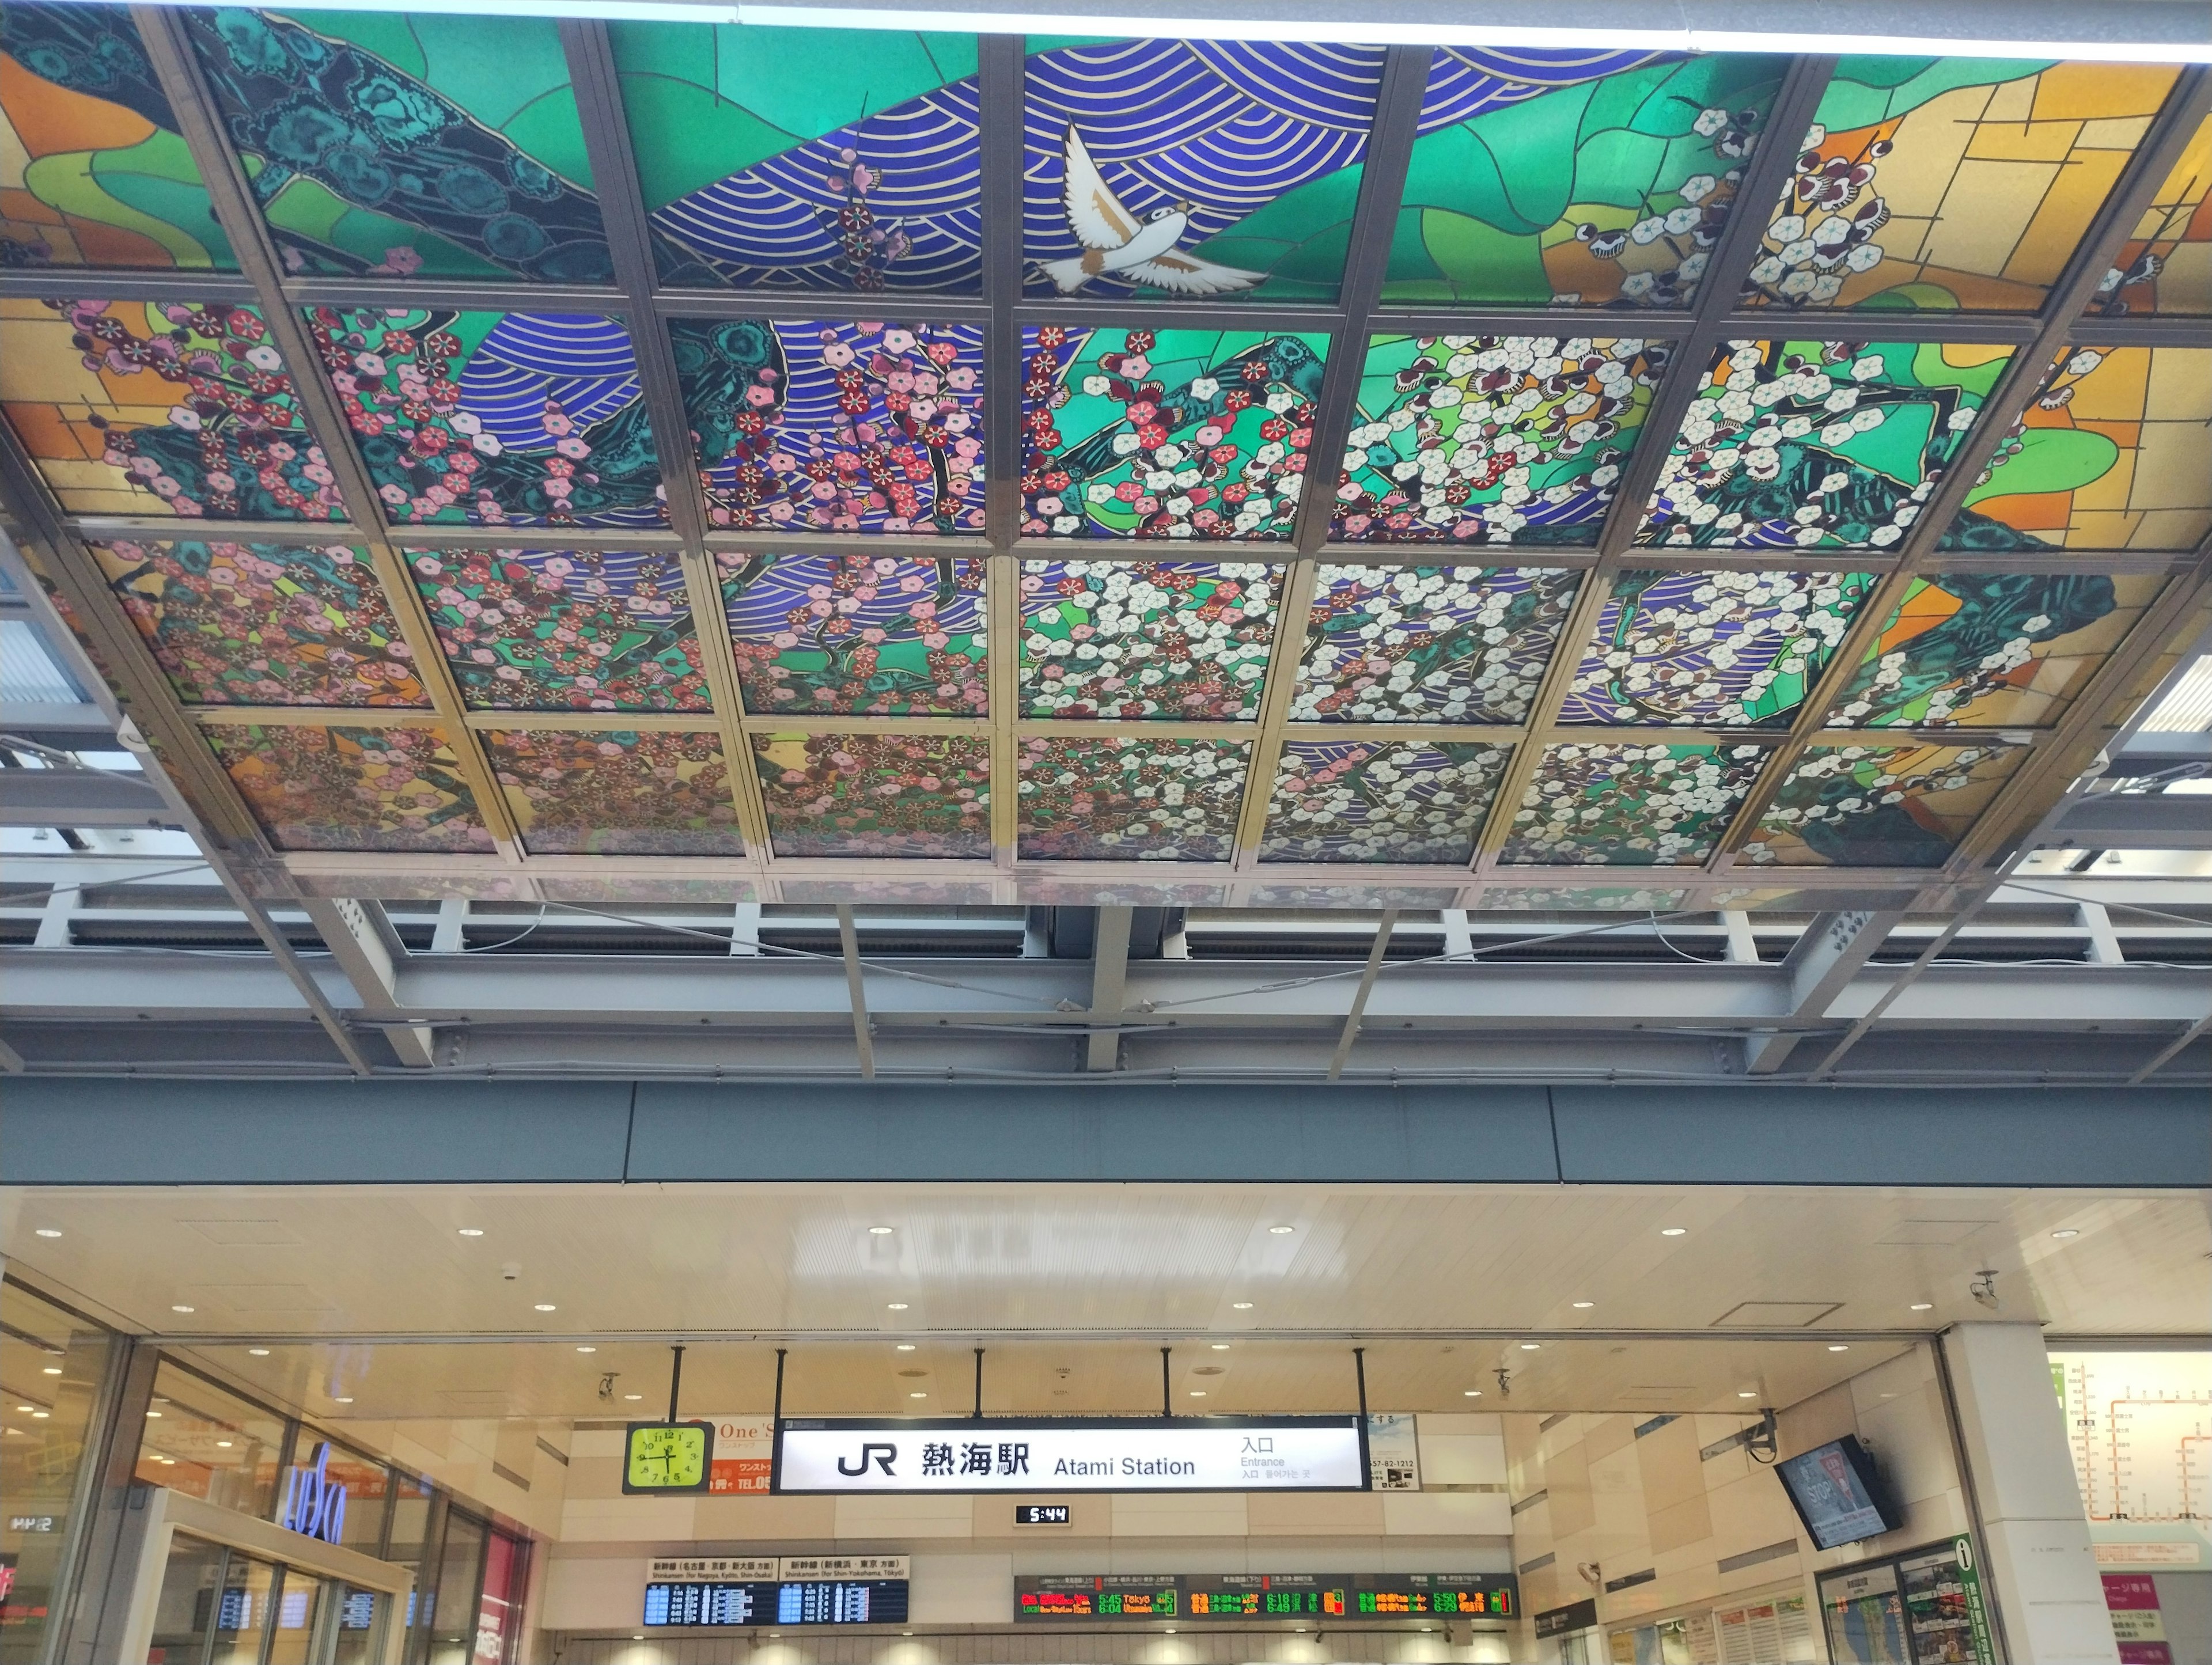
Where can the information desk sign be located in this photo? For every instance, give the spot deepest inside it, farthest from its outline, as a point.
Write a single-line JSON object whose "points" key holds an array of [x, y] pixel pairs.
{"points": [[1062, 1455], [1259, 1596]]}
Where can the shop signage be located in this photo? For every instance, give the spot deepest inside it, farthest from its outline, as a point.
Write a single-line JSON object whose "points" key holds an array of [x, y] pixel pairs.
{"points": [[1562, 1621], [1208, 1595], [1104, 1454], [314, 1503]]}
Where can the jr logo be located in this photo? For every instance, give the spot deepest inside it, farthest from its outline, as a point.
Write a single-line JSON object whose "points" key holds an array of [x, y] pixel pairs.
{"points": [[884, 1455]]}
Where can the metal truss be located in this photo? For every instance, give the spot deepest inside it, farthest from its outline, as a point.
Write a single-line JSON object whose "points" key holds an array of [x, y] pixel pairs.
{"points": [[762, 877]]}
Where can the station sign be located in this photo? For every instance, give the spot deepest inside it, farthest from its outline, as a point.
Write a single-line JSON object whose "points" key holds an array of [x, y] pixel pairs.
{"points": [[1095, 1453], [1260, 1595]]}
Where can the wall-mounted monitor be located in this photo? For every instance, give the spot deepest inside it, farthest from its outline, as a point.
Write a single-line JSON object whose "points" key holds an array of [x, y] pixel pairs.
{"points": [[1838, 1494]]}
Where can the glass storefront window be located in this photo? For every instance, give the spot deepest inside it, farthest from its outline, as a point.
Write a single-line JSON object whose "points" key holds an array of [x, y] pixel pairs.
{"points": [[51, 1363], [298, 1606], [242, 1610], [207, 1442], [453, 1625], [362, 1614], [184, 1615], [498, 1615]]}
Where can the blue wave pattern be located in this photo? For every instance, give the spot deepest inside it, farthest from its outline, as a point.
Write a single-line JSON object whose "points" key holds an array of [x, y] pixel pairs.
{"points": [[1227, 126], [774, 225], [1465, 83], [583, 361]]}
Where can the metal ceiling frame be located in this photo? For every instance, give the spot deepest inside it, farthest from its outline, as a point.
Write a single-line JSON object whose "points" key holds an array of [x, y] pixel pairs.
{"points": [[760, 875]]}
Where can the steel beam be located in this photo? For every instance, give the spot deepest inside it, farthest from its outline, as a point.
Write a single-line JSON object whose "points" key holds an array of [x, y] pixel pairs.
{"points": [[366, 948], [1818, 968]]}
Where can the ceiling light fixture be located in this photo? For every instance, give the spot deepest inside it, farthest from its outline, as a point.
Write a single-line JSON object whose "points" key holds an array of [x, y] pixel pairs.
{"points": [[1746, 1392], [223, 1444], [547, 1306], [1198, 1393], [632, 1395], [1673, 1231], [917, 1394], [179, 1308], [1471, 1393], [342, 1399], [1838, 1347], [1530, 1346], [27, 1407], [879, 1231], [906, 1347], [51, 1369], [896, 1306], [154, 1414], [48, 1231], [258, 1353], [1241, 1306], [1923, 1306], [587, 1349], [1281, 1230], [2066, 1231], [1584, 1306], [38, 1416], [471, 1231]]}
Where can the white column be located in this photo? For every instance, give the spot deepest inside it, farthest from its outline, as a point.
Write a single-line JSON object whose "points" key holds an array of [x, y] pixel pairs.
{"points": [[2035, 1534]]}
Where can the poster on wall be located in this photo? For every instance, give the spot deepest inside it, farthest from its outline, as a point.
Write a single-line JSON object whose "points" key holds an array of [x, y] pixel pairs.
{"points": [[1864, 1617], [1762, 1633], [2138, 1623], [1924, 1606], [1393, 1454]]}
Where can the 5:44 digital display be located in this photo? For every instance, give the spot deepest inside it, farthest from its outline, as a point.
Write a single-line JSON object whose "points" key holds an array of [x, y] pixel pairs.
{"points": [[668, 1457]]}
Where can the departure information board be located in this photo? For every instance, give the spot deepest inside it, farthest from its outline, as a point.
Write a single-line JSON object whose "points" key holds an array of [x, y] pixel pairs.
{"points": [[1260, 1595], [776, 1601]]}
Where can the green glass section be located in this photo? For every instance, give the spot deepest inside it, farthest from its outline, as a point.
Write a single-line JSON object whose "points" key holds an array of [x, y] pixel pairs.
{"points": [[1619, 805], [1154, 640], [1613, 189], [918, 796], [1499, 440], [1816, 444], [1879, 807]]}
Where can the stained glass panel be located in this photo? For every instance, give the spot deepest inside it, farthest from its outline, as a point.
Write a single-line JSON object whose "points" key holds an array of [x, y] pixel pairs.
{"points": [[1879, 807], [886, 636], [1711, 650], [521, 419], [2114, 452], [920, 796], [564, 630], [386, 145], [264, 623], [136, 407], [1187, 169], [836, 428], [616, 792], [1951, 183], [1990, 650], [93, 172], [1129, 798], [1622, 805], [1380, 801], [2166, 265], [1817, 445], [806, 159], [313, 788], [1165, 433], [1601, 178], [1492, 438], [1429, 644], [1184, 640]]}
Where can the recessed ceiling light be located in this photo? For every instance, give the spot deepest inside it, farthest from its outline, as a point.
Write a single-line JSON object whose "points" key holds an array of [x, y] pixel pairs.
{"points": [[1241, 1306], [917, 1394], [178, 1309], [471, 1231], [632, 1395], [157, 1414], [1281, 1230], [51, 1369], [906, 1347], [879, 1231], [223, 1443], [48, 1231], [1838, 1347], [1584, 1306], [1746, 1392], [896, 1306], [342, 1399], [2066, 1231], [1673, 1231], [1923, 1306], [27, 1407], [38, 1416], [547, 1306], [1198, 1393], [258, 1353], [1221, 1346], [587, 1349], [1530, 1346], [1471, 1393]]}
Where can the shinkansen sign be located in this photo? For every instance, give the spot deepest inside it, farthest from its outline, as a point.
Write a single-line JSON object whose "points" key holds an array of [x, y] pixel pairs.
{"points": [[1104, 1454]]}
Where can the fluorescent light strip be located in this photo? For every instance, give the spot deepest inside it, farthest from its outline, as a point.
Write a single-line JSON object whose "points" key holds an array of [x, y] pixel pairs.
{"points": [[1324, 30]]}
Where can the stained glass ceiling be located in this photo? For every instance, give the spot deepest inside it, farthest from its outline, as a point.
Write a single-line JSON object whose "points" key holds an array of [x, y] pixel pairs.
{"points": [[529, 453]]}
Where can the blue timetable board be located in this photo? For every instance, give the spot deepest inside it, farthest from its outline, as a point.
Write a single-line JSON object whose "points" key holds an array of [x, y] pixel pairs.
{"points": [[776, 1601]]}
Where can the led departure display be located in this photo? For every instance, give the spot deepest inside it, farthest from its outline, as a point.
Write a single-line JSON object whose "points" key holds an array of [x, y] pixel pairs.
{"points": [[777, 1601], [1260, 1595]]}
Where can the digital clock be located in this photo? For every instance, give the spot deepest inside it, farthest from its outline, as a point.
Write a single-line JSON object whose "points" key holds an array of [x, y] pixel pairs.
{"points": [[668, 1457]]}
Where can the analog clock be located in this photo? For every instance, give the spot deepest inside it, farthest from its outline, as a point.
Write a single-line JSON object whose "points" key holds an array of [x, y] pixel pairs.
{"points": [[668, 1457]]}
